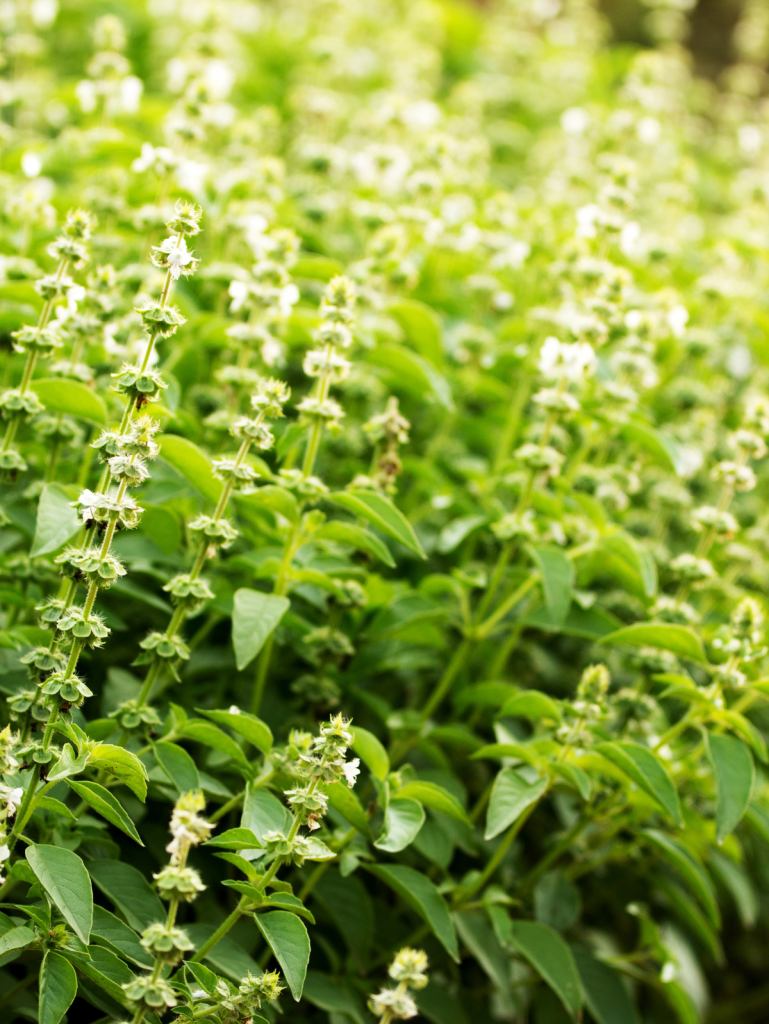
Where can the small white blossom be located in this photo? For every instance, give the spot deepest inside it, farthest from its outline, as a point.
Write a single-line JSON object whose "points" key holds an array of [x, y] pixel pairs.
{"points": [[351, 771]]}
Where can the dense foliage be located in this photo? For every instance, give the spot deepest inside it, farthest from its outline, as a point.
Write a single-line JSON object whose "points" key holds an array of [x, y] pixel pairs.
{"points": [[383, 450]]}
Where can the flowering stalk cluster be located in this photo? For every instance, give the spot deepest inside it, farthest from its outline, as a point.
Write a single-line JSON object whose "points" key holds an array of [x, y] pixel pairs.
{"points": [[409, 970]]}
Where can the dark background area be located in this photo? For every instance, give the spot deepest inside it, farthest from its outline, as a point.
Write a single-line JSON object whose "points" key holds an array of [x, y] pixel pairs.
{"points": [[711, 25]]}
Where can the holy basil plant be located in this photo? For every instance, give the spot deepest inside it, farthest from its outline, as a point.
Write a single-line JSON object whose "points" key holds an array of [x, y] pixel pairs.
{"points": [[383, 544]]}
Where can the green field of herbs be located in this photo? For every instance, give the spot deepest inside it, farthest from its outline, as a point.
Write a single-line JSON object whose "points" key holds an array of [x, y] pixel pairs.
{"points": [[384, 546]]}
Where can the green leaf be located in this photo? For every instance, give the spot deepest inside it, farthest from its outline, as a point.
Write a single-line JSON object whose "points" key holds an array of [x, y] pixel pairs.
{"points": [[117, 936], [345, 802], [285, 901], [423, 897], [263, 812], [105, 804], [688, 911], [411, 373], [370, 751], [356, 537], [647, 771], [129, 890], [255, 616], [679, 640], [605, 996], [54, 806], [381, 513], [257, 732], [58, 988], [105, 969], [15, 938], [212, 736], [682, 860], [205, 978], [439, 1006], [287, 937], [178, 766], [63, 876], [663, 450], [349, 905], [161, 525], [318, 268], [191, 463], [476, 933], [436, 798], [735, 774], [632, 561], [552, 959], [454, 532], [57, 520], [422, 328], [738, 884], [334, 996], [277, 499], [531, 704], [236, 839], [511, 794], [121, 763], [71, 397], [402, 821], [557, 901], [557, 572]]}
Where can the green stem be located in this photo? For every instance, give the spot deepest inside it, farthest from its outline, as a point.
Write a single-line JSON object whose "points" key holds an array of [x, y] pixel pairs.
{"points": [[23, 812], [465, 894], [221, 931]]}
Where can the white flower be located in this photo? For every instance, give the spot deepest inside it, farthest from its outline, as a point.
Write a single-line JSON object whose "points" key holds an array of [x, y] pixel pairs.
{"points": [[176, 257], [131, 89], [572, 361], [575, 121], [31, 164], [287, 299], [160, 158], [5, 853], [191, 176], [234, 709], [351, 771], [14, 799], [89, 501], [677, 319]]}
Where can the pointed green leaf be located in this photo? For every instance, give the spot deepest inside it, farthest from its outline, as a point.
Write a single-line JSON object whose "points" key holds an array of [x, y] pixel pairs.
{"points": [[345, 801], [277, 499], [370, 751], [735, 774], [123, 765], [423, 897], [381, 513], [356, 537], [409, 372], [679, 640], [552, 959], [212, 736], [648, 771], [71, 397], [605, 995], [511, 794], [477, 934], [129, 890], [63, 876], [236, 839], [683, 860], [57, 521], [263, 812], [254, 617], [257, 732], [190, 462], [287, 937], [403, 820], [177, 765], [105, 804], [103, 968], [115, 934], [631, 560], [531, 704], [58, 988], [422, 328], [436, 798], [16, 938], [557, 572]]}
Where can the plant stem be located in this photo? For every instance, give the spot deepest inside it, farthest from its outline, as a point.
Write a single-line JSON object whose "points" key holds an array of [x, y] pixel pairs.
{"points": [[221, 931]]}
